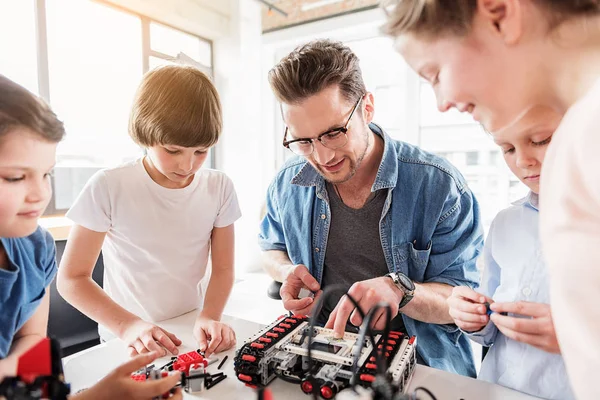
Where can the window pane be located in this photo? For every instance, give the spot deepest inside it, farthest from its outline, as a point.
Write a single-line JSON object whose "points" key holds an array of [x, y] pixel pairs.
{"points": [[18, 52], [172, 42], [94, 72], [155, 62], [477, 157]]}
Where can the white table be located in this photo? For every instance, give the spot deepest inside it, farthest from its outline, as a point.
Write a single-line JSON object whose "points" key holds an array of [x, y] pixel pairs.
{"points": [[87, 367]]}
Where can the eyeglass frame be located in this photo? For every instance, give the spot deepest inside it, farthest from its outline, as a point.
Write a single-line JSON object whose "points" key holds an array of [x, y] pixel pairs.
{"points": [[342, 129]]}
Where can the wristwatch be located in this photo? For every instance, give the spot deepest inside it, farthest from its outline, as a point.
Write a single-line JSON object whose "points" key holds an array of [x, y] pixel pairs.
{"points": [[403, 283]]}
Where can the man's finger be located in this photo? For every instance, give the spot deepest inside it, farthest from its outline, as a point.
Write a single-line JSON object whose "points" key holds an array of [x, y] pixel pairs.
{"points": [[297, 304], [378, 321], [332, 317], [166, 341], [343, 313], [307, 279], [523, 308]]}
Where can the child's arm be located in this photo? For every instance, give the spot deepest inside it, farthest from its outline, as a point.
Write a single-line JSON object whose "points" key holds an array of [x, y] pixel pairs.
{"points": [[76, 285], [119, 385], [30, 334], [207, 327]]}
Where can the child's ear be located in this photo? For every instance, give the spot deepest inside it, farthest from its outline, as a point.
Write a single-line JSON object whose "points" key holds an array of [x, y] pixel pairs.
{"points": [[505, 17]]}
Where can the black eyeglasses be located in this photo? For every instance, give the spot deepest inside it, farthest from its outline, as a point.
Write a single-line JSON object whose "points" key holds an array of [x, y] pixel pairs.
{"points": [[332, 139]]}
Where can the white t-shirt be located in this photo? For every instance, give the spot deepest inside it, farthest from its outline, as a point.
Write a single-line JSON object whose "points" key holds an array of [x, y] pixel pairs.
{"points": [[570, 230], [158, 240]]}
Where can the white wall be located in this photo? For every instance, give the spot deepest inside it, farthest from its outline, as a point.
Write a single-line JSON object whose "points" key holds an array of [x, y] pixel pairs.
{"points": [[243, 148]]}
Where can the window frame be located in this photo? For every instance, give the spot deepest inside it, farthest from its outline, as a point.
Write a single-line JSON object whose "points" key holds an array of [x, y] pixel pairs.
{"points": [[147, 52]]}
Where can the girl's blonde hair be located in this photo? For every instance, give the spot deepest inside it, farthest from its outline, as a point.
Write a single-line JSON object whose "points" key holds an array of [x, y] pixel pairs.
{"points": [[432, 18]]}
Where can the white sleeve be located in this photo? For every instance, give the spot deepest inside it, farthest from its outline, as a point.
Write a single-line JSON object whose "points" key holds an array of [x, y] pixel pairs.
{"points": [[570, 228], [229, 210], [92, 207]]}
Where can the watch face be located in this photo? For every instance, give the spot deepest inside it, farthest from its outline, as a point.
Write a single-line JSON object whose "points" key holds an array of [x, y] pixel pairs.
{"points": [[407, 283]]}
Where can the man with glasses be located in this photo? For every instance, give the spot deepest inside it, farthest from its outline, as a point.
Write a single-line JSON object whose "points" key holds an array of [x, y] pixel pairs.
{"points": [[385, 219]]}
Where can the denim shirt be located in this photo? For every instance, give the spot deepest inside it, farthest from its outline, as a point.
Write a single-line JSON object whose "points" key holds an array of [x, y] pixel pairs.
{"points": [[430, 230]]}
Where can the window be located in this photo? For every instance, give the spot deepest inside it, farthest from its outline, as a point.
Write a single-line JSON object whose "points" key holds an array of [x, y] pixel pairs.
{"points": [[472, 157], [431, 116], [87, 59], [167, 42], [18, 56], [169, 46], [494, 157], [93, 73]]}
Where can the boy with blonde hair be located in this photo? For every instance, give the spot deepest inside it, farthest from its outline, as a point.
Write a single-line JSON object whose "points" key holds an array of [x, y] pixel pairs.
{"points": [[156, 220]]}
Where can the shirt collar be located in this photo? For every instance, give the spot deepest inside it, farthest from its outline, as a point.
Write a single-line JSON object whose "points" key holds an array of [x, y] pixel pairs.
{"points": [[531, 200], [387, 174]]}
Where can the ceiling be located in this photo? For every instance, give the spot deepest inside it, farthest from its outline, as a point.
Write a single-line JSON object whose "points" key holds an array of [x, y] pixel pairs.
{"points": [[303, 11]]}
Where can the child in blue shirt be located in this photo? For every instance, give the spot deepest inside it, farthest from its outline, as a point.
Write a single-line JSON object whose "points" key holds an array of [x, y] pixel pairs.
{"points": [[524, 353], [29, 134]]}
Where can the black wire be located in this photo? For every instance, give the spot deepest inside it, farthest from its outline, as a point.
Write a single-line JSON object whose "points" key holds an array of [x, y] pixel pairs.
{"points": [[426, 391], [364, 328], [315, 312], [289, 379]]}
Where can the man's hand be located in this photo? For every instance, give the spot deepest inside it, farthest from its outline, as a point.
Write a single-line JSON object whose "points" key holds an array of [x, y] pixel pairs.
{"points": [[300, 278], [537, 330], [467, 308], [213, 336], [367, 293], [144, 337]]}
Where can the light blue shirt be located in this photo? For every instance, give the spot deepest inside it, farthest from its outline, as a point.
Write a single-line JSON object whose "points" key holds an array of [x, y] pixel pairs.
{"points": [[515, 271], [429, 230]]}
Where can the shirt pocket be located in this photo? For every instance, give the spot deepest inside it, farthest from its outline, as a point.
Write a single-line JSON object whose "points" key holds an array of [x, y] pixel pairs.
{"points": [[28, 309], [410, 261]]}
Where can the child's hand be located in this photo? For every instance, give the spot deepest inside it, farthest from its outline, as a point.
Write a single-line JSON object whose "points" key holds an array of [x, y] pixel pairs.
{"points": [[213, 336], [144, 337], [537, 331], [467, 308], [119, 385]]}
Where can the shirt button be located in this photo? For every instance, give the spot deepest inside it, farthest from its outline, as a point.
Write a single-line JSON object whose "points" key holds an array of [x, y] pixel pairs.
{"points": [[323, 216], [317, 249], [527, 291]]}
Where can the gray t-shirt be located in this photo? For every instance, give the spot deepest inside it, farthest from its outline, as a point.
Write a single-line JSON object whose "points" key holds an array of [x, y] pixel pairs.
{"points": [[354, 251]]}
